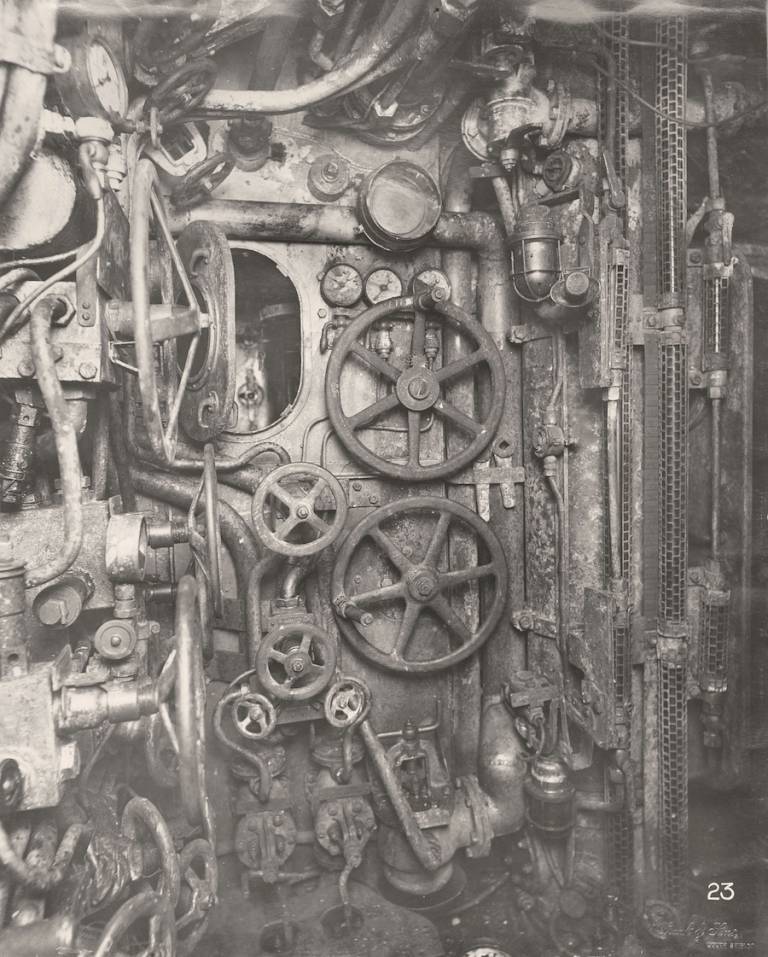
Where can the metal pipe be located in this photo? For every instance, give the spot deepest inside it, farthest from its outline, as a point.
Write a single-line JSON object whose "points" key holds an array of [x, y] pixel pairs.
{"points": [[427, 854], [507, 205], [66, 448], [235, 533], [348, 71], [120, 454], [40, 878], [100, 450], [253, 627]]}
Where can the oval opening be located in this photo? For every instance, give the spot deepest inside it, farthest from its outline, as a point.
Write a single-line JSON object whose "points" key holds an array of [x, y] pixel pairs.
{"points": [[268, 342]]}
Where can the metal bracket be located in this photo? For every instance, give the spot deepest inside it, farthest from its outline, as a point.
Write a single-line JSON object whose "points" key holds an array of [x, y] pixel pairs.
{"points": [[527, 620], [505, 476], [18, 50]]}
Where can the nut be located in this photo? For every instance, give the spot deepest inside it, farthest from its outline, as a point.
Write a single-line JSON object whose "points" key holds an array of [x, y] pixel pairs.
{"points": [[87, 370]]}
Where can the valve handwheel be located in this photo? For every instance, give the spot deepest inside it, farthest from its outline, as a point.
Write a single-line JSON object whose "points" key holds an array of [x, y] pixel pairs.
{"points": [[347, 703], [186, 731], [141, 819], [180, 92], [291, 506], [199, 884], [417, 389], [254, 716], [196, 185], [145, 906], [201, 390], [423, 589], [295, 661], [207, 547]]}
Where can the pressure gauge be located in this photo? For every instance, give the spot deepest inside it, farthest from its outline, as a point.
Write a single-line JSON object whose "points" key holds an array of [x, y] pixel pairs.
{"points": [[382, 284], [433, 279], [342, 285], [95, 85]]}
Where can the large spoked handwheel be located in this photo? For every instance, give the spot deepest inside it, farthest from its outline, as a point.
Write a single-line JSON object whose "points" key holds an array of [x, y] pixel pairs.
{"points": [[299, 509], [207, 547], [186, 729], [415, 389], [207, 401], [142, 820], [409, 574], [199, 884], [295, 661], [146, 906], [196, 185], [147, 208]]}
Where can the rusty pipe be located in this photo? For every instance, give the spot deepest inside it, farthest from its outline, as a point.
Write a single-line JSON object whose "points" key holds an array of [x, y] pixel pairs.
{"points": [[253, 626], [348, 71], [41, 878], [235, 533], [66, 448]]}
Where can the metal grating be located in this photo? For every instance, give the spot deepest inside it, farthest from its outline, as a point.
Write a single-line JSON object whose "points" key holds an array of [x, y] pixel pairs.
{"points": [[673, 472], [713, 648], [716, 326], [621, 863], [627, 469], [619, 28], [673, 780], [619, 300], [671, 93]]}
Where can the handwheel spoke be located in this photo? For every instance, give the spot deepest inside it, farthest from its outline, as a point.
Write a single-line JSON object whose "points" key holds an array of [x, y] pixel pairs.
{"points": [[454, 369], [437, 543], [278, 656], [378, 595], [447, 411], [407, 628], [442, 607], [414, 438], [465, 575], [391, 550], [316, 491], [317, 523], [170, 730], [367, 415], [375, 362], [283, 496], [419, 334], [285, 527], [306, 644]]}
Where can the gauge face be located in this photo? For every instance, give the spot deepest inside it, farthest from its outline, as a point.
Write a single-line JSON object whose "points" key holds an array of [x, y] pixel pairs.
{"points": [[433, 279], [106, 78], [382, 284], [342, 285]]}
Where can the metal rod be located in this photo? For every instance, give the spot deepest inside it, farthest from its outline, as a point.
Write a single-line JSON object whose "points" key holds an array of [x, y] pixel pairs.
{"points": [[716, 445]]}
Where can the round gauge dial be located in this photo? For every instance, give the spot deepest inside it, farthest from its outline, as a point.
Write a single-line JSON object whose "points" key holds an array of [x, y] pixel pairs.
{"points": [[382, 284], [342, 285], [433, 279], [95, 84]]}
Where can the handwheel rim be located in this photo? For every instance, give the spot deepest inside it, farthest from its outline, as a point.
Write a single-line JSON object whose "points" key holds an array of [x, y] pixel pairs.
{"points": [[346, 426], [190, 703], [140, 811], [408, 585], [277, 656], [147, 904], [147, 203]]}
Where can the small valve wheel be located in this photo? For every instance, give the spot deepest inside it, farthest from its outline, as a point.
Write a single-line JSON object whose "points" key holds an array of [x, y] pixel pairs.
{"points": [[296, 661], [254, 716], [346, 703], [196, 186], [290, 509]]}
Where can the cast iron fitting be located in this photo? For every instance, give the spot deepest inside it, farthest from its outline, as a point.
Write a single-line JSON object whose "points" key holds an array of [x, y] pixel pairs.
{"points": [[550, 794], [17, 454], [399, 206], [536, 260], [717, 383], [548, 441], [671, 318], [60, 604]]}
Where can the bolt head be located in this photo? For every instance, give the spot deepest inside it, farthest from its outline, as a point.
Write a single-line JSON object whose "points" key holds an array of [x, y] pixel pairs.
{"points": [[11, 784], [87, 370], [302, 511]]}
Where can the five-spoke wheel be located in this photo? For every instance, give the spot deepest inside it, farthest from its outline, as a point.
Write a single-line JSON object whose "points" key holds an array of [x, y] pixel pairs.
{"points": [[295, 661]]}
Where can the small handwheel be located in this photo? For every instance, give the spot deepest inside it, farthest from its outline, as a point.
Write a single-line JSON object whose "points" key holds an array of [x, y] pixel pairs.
{"points": [[146, 906], [254, 716], [141, 819], [181, 91], [207, 548], [347, 702], [290, 509], [412, 577], [295, 662], [147, 207], [196, 185], [415, 389], [199, 885]]}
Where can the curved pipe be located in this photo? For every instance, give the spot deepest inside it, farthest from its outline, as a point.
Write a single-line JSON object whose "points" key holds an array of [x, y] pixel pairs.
{"points": [[348, 71], [66, 448], [253, 627], [235, 533], [40, 878]]}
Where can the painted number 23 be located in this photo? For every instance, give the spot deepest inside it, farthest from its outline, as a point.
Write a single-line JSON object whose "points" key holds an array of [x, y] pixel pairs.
{"points": [[720, 892]]}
